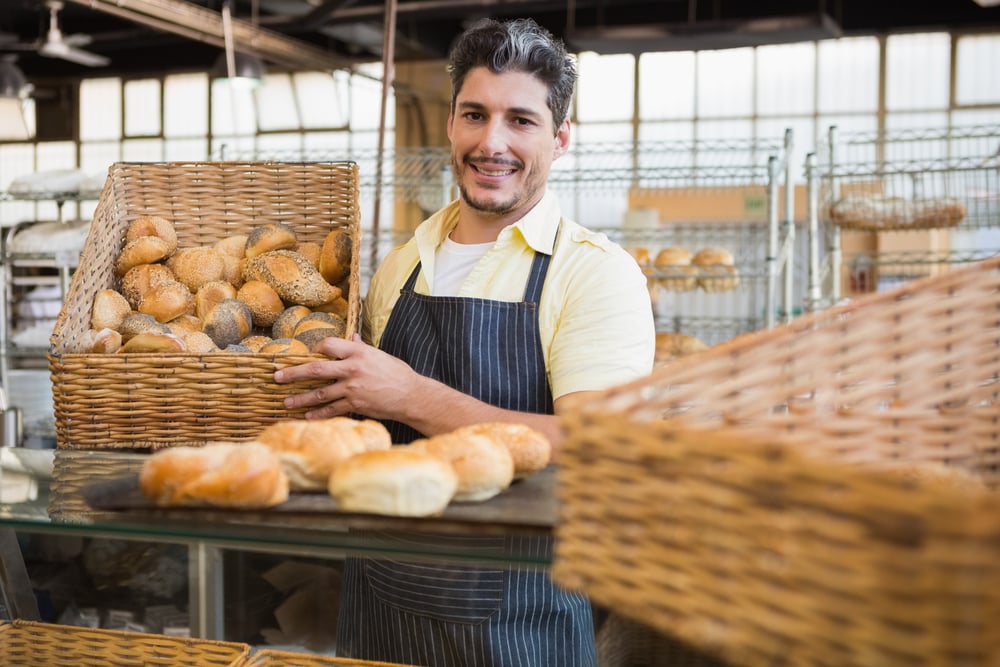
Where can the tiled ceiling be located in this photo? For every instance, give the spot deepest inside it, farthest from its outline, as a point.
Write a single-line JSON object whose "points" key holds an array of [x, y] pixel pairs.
{"points": [[340, 32]]}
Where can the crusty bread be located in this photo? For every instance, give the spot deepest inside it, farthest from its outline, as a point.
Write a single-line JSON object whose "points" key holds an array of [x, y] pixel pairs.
{"points": [[292, 276], [268, 237], [313, 337], [152, 225], [168, 301], [716, 269], [199, 342], [233, 245], [310, 251], [109, 310], [484, 466], [138, 323], [284, 325], [244, 475], [153, 342], [143, 250], [338, 307], [264, 303], [671, 345], [400, 481], [283, 346], [102, 341], [228, 323], [335, 256], [529, 448], [254, 342], [210, 295], [310, 449], [674, 270], [179, 326], [196, 266], [139, 280]]}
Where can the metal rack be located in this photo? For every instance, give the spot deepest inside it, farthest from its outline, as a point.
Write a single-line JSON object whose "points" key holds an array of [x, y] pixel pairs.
{"points": [[958, 164]]}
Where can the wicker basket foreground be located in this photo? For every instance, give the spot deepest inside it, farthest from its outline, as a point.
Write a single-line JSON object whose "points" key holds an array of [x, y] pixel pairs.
{"points": [[157, 400], [821, 493], [278, 658], [32, 644], [75, 469]]}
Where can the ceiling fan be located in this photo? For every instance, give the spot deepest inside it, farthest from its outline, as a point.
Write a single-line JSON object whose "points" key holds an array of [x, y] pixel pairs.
{"points": [[55, 44]]}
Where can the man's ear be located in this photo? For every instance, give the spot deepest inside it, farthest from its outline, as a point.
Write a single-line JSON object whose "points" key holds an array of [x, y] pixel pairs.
{"points": [[561, 140], [451, 121]]}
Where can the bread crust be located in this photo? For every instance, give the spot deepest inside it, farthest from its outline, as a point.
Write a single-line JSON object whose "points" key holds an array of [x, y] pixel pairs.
{"points": [[399, 481]]}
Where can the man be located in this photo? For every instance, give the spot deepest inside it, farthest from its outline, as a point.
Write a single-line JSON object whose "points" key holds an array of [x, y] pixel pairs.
{"points": [[498, 309]]}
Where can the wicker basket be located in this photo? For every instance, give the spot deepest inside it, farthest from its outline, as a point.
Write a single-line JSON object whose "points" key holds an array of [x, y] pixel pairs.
{"points": [[277, 658], [821, 493], [157, 400], [32, 644], [73, 470]]}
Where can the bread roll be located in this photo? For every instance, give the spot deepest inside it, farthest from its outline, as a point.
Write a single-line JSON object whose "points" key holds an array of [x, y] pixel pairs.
{"points": [[232, 270], [233, 245], [335, 256], [138, 323], [268, 237], [158, 343], [103, 341], [338, 307], [674, 270], [228, 323], [291, 276], [254, 342], [399, 481], [310, 251], [197, 266], [139, 280], [284, 326], [168, 301], [110, 310], [245, 475], [310, 449], [313, 337], [530, 449], [210, 295], [264, 303], [199, 342], [152, 225], [179, 326], [283, 346], [670, 345], [716, 269], [484, 466], [143, 250]]}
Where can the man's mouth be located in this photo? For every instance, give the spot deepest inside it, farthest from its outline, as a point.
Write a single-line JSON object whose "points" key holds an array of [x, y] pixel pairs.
{"points": [[493, 170]]}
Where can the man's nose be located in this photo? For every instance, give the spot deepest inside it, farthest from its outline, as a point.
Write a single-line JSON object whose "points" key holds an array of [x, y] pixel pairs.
{"points": [[494, 138]]}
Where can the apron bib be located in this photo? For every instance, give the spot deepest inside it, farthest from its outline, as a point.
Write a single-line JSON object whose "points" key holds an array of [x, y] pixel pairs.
{"points": [[451, 616]]}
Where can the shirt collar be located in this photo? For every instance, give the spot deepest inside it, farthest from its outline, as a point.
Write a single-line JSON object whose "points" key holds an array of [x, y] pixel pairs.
{"points": [[537, 227]]}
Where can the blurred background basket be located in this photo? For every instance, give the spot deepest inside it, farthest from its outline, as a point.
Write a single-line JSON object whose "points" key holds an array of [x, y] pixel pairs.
{"points": [[158, 400], [280, 658], [821, 493], [33, 644], [73, 470]]}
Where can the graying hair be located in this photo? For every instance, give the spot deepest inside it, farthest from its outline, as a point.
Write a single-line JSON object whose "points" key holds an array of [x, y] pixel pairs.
{"points": [[520, 45]]}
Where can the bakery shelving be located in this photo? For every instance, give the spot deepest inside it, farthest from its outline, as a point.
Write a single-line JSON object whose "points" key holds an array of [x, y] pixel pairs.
{"points": [[926, 200]]}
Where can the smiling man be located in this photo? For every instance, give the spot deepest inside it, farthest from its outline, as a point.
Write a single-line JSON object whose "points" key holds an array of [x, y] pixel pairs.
{"points": [[498, 309]]}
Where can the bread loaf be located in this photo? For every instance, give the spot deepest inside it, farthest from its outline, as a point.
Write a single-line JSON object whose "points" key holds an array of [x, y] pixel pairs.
{"points": [[103, 341], [254, 342], [228, 323], [110, 310], [484, 466], [138, 323], [233, 245], [210, 295], [199, 342], [529, 448], [310, 449], [143, 250], [139, 280], [284, 325], [158, 343], [292, 276], [399, 481], [268, 237], [264, 303], [152, 225], [283, 346], [196, 266], [244, 475], [168, 301], [335, 256]]}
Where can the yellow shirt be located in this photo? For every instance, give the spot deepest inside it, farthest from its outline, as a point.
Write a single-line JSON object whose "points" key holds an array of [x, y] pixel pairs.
{"points": [[595, 318]]}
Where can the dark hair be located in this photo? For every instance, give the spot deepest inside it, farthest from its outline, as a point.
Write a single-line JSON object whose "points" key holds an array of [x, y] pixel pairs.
{"points": [[520, 45]]}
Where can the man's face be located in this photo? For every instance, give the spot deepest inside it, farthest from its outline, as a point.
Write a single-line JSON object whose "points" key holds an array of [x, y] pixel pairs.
{"points": [[503, 142]]}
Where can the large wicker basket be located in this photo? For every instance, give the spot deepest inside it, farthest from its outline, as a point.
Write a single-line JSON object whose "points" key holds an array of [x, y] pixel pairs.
{"points": [[157, 400], [821, 493], [33, 644]]}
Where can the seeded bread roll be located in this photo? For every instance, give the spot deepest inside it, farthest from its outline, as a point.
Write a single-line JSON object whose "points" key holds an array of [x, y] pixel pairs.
{"points": [[310, 449], [255, 342], [143, 250], [320, 320], [179, 326], [152, 225], [265, 238], [199, 342], [233, 245], [197, 266], [211, 295], [245, 475], [139, 280], [484, 466], [283, 346], [291, 276], [310, 251], [313, 337], [338, 307], [153, 342], [284, 326], [335, 256], [138, 323], [228, 323], [396, 482], [264, 303], [168, 301], [110, 310]]}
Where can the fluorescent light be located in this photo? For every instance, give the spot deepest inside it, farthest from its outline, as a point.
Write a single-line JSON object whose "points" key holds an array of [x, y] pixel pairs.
{"points": [[245, 71]]}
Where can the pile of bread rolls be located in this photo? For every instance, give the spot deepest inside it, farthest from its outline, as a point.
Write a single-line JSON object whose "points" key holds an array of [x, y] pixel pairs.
{"points": [[677, 269], [351, 459], [260, 292], [672, 345]]}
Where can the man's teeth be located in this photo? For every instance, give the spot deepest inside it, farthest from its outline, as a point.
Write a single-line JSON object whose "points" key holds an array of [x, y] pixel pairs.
{"points": [[489, 172]]}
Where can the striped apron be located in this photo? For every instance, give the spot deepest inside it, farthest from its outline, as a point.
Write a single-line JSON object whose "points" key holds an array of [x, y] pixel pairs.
{"points": [[448, 616]]}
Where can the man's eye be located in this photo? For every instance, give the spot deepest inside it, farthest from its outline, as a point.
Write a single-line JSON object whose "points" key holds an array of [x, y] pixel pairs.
{"points": [[525, 122], [474, 115]]}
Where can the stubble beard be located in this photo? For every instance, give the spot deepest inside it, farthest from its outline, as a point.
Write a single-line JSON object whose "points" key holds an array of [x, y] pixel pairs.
{"points": [[486, 206]]}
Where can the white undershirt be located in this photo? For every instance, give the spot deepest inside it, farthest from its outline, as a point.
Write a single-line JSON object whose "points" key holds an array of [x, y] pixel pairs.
{"points": [[452, 264]]}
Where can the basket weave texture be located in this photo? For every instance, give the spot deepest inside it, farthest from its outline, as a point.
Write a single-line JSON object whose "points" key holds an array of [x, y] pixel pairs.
{"points": [[75, 469], [278, 658], [158, 400], [33, 644], [821, 493]]}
